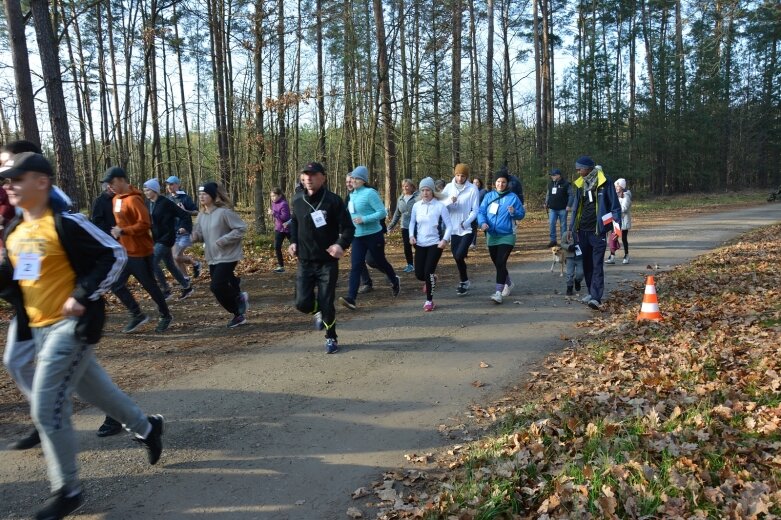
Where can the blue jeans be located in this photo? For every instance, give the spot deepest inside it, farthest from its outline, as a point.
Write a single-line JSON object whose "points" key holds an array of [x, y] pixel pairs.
{"points": [[374, 245], [593, 248], [164, 253], [66, 365], [553, 216]]}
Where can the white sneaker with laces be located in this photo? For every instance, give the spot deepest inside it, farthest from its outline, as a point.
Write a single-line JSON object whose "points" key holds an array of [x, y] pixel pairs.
{"points": [[625, 260], [508, 288], [497, 297], [610, 260]]}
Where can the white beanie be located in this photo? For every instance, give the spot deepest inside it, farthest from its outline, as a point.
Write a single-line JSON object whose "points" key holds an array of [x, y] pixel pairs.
{"points": [[622, 183], [428, 182]]}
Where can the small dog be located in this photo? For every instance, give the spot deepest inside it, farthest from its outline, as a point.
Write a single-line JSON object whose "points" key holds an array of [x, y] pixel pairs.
{"points": [[559, 257]]}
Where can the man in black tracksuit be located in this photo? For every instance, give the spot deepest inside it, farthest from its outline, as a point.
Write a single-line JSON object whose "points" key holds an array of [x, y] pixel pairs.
{"points": [[320, 231]]}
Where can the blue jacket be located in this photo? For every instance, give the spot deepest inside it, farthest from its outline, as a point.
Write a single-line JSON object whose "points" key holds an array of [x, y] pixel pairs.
{"points": [[607, 202], [500, 223], [365, 203]]}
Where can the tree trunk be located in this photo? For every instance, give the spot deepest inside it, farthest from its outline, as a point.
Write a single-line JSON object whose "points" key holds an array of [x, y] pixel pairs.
{"points": [[383, 76], [456, 83], [281, 107], [321, 145], [260, 199], [489, 78], [21, 66], [58, 113]]}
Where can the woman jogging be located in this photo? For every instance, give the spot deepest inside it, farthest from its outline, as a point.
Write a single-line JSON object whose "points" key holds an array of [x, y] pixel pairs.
{"points": [[424, 225], [366, 211], [498, 213], [221, 230], [403, 213], [280, 211]]}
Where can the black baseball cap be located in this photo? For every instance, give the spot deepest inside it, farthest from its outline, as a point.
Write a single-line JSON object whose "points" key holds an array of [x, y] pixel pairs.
{"points": [[26, 162], [313, 167], [114, 172]]}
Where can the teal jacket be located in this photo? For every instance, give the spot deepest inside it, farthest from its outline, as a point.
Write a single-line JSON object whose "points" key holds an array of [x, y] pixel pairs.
{"points": [[365, 203]]}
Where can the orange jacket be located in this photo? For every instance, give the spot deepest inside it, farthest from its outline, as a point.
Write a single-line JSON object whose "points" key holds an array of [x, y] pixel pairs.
{"points": [[133, 219]]}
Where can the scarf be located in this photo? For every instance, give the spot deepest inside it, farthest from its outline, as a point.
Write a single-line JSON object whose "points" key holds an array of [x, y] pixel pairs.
{"points": [[590, 181]]}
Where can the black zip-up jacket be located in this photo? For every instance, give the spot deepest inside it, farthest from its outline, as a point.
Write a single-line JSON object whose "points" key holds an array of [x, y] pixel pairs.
{"points": [[96, 258], [165, 213], [103, 212], [312, 242], [183, 222]]}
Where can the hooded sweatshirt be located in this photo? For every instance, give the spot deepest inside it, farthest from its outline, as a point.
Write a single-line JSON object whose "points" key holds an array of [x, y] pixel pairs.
{"points": [[132, 217], [221, 231], [464, 210]]}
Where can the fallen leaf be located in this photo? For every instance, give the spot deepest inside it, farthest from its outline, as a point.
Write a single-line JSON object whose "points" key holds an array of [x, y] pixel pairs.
{"points": [[354, 512], [483, 364], [477, 383]]}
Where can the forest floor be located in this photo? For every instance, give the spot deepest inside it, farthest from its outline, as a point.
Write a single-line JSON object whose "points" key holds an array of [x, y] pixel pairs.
{"points": [[198, 344]]}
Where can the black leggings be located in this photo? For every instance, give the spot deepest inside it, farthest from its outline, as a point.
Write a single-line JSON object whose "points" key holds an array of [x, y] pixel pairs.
{"points": [[426, 260], [625, 241], [279, 237], [226, 286], [407, 245], [499, 256], [459, 246]]}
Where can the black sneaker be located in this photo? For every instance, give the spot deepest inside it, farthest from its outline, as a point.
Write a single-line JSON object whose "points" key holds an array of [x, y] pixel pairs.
{"points": [[577, 285], [163, 323], [196, 269], [59, 505], [396, 287], [363, 289], [462, 289], [186, 293], [32, 440], [154, 441], [596, 305], [109, 427], [569, 290], [237, 320], [135, 322], [347, 302]]}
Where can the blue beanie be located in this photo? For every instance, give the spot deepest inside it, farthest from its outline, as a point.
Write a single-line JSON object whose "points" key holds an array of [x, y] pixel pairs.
{"points": [[555, 171], [584, 162], [360, 172]]}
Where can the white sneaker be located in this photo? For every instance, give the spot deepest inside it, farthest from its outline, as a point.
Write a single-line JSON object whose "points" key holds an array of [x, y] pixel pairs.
{"points": [[625, 260], [508, 288], [610, 260], [497, 297], [586, 298]]}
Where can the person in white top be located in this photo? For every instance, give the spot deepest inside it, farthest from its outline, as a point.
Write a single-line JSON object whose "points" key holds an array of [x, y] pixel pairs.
{"points": [[425, 236], [463, 200]]}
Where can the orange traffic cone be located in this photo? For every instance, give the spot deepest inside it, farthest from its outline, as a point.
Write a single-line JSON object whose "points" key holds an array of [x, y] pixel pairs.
{"points": [[650, 308]]}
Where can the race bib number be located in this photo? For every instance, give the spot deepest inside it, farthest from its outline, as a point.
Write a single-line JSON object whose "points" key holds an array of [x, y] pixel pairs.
{"points": [[578, 252], [351, 207], [493, 208], [117, 205], [553, 191], [318, 217], [28, 267]]}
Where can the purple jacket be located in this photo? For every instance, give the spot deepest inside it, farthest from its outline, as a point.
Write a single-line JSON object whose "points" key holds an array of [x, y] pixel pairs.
{"points": [[281, 212]]}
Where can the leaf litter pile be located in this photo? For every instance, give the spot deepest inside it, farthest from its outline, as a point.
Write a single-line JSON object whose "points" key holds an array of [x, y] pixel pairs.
{"points": [[673, 419]]}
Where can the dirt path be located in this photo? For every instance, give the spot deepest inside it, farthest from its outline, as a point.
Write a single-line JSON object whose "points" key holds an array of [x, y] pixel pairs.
{"points": [[286, 432]]}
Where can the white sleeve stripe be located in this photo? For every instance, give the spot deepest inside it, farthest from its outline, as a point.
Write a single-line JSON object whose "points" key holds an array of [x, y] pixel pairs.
{"points": [[120, 256]]}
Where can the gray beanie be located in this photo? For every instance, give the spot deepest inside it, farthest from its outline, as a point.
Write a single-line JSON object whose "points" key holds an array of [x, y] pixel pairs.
{"points": [[360, 172], [428, 182]]}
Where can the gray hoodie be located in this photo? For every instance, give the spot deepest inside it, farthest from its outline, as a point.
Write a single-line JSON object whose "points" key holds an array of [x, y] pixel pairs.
{"points": [[221, 232]]}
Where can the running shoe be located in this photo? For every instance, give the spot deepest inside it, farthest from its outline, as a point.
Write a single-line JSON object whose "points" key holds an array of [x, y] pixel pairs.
{"points": [[279, 269], [508, 288], [331, 346], [347, 302], [59, 505], [163, 323], [237, 321], [186, 292], [497, 297], [396, 287], [135, 322], [410, 268], [154, 440], [429, 306]]}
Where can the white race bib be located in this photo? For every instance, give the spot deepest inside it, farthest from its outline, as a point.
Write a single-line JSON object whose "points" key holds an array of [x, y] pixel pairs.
{"points": [[318, 217], [590, 197], [578, 252], [117, 205], [28, 267], [493, 208], [351, 207], [553, 191]]}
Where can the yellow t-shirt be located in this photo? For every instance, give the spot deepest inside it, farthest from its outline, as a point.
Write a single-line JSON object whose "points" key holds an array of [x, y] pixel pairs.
{"points": [[39, 244]]}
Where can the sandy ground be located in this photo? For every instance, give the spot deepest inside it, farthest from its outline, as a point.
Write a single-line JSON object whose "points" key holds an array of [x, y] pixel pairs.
{"points": [[262, 424]]}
